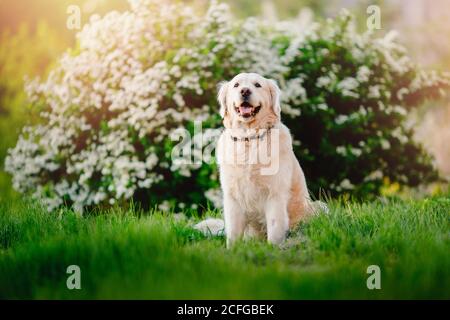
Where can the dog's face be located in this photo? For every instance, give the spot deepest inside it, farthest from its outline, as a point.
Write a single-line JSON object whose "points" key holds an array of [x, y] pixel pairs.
{"points": [[249, 98]]}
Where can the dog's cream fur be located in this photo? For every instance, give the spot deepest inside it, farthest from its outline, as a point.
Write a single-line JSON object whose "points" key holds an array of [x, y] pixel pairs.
{"points": [[258, 204]]}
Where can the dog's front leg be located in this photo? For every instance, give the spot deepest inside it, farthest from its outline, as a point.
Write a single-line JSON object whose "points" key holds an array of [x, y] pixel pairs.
{"points": [[235, 220], [277, 220]]}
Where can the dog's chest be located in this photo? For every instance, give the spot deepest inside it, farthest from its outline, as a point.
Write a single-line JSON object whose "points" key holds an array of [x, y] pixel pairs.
{"points": [[241, 169], [248, 186]]}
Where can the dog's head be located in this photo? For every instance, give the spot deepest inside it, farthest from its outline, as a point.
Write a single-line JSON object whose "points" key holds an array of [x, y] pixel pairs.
{"points": [[249, 99]]}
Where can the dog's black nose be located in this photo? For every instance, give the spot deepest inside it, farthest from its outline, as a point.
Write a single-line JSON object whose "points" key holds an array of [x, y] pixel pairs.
{"points": [[245, 92]]}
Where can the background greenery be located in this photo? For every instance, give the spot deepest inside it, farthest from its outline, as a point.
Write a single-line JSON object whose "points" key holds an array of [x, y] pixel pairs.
{"points": [[134, 254], [346, 98], [145, 254], [33, 36]]}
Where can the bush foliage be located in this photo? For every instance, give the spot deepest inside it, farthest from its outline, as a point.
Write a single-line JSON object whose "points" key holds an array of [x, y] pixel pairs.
{"points": [[108, 111], [29, 51]]}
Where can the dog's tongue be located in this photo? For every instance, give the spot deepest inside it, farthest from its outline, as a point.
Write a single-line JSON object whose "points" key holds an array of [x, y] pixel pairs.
{"points": [[245, 109]]}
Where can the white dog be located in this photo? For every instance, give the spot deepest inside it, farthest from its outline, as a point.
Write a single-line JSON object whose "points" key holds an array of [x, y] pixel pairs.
{"points": [[264, 188]]}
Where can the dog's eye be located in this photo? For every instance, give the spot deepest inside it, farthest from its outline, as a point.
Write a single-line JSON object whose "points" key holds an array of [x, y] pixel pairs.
{"points": [[236, 84], [257, 85]]}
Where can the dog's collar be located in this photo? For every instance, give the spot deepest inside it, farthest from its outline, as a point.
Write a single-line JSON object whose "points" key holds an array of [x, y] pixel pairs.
{"points": [[252, 137]]}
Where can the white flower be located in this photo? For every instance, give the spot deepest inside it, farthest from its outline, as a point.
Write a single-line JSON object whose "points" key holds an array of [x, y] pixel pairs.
{"points": [[346, 184], [326, 81], [374, 175], [164, 206], [356, 151], [374, 92], [363, 74], [341, 150], [401, 92], [215, 196], [341, 119], [322, 106], [347, 87], [385, 144]]}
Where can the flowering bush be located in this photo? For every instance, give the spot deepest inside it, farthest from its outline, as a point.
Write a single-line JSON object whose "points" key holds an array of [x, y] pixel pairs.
{"points": [[348, 96], [110, 108]]}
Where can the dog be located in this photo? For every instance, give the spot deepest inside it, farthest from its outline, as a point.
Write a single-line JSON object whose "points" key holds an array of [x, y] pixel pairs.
{"points": [[261, 199]]}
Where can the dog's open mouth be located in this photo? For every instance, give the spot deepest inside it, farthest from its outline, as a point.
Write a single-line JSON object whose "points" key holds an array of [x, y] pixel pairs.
{"points": [[247, 110]]}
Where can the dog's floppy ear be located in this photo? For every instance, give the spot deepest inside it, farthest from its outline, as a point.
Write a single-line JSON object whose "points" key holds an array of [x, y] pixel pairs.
{"points": [[275, 93], [222, 98]]}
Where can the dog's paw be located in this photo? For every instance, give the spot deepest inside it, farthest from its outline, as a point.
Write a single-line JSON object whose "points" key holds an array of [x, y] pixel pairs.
{"points": [[211, 227]]}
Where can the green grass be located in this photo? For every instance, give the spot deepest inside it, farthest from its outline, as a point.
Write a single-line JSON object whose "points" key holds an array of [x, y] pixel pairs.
{"points": [[130, 254]]}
